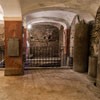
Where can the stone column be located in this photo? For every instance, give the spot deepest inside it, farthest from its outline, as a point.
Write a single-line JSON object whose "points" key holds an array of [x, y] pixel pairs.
{"points": [[13, 64], [93, 52], [61, 45], [80, 60], [69, 41], [65, 51], [98, 31]]}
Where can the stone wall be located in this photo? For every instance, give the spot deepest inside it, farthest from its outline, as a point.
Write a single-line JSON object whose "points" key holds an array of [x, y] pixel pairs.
{"points": [[44, 37], [95, 36], [94, 39]]}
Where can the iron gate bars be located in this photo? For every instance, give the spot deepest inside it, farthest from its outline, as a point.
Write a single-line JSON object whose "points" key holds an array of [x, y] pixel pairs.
{"points": [[45, 56]]}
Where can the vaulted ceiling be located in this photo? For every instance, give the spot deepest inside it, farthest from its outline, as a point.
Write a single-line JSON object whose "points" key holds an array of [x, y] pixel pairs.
{"points": [[39, 10], [49, 10], [90, 6], [28, 6]]}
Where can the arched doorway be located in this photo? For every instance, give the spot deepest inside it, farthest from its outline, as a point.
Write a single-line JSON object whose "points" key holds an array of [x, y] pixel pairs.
{"points": [[51, 18], [2, 39], [43, 47]]}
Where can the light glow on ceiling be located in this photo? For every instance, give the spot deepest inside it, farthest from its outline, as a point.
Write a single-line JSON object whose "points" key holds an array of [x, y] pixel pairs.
{"points": [[1, 17], [29, 26]]}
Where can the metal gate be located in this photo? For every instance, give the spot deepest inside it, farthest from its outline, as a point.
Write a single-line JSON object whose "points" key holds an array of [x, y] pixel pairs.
{"points": [[45, 56]]}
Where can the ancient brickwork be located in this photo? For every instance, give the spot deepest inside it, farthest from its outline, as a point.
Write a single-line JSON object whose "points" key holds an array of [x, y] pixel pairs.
{"points": [[44, 37], [95, 36], [97, 28]]}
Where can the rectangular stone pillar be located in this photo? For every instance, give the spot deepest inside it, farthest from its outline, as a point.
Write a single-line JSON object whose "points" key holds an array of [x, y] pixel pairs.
{"points": [[13, 64]]}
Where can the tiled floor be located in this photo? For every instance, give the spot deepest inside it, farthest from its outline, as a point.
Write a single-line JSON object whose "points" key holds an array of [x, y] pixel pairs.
{"points": [[47, 84]]}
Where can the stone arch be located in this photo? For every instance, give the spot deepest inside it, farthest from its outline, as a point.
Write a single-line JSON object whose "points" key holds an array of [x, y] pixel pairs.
{"points": [[56, 15], [50, 20]]}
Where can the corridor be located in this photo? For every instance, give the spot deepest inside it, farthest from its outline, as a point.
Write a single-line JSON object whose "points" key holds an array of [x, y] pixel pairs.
{"points": [[47, 84]]}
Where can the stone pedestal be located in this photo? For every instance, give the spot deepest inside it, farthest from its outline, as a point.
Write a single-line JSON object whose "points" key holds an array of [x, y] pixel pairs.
{"points": [[92, 70], [80, 60], [13, 64], [98, 70]]}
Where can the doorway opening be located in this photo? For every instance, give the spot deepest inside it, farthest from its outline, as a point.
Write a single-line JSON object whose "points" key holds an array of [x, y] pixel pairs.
{"points": [[47, 36], [43, 46]]}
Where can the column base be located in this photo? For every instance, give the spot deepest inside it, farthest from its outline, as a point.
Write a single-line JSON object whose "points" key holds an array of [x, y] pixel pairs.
{"points": [[98, 83], [14, 71], [92, 79]]}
